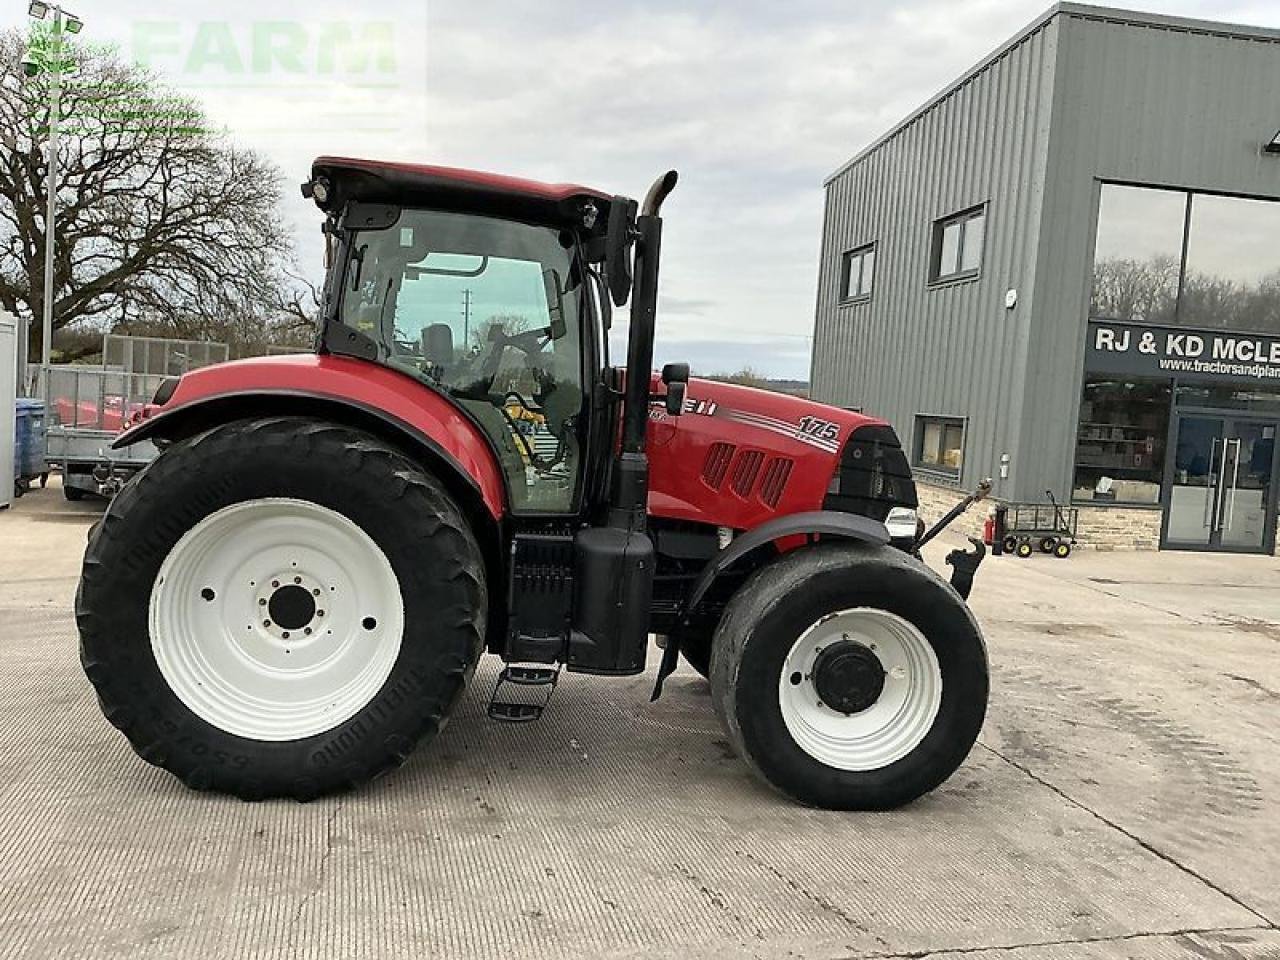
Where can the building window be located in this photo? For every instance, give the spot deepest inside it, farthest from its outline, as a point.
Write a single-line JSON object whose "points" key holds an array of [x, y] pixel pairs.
{"points": [[1168, 257], [939, 445], [1120, 444], [1138, 255], [856, 273], [1232, 275], [957, 245]]}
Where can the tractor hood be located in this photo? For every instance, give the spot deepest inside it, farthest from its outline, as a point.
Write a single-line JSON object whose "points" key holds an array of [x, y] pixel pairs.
{"points": [[803, 421], [739, 456]]}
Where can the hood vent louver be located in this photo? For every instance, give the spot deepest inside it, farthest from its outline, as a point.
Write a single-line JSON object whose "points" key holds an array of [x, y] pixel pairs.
{"points": [[745, 470], [717, 464], [776, 475]]}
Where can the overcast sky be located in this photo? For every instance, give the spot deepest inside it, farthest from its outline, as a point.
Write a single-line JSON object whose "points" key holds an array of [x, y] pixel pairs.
{"points": [[755, 103]]}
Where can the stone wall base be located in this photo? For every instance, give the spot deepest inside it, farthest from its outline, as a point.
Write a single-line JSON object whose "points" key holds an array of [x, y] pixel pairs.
{"points": [[1100, 528], [936, 500]]}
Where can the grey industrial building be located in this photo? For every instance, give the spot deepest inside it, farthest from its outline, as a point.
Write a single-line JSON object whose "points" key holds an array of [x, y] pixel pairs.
{"points": [[1064, 272]]}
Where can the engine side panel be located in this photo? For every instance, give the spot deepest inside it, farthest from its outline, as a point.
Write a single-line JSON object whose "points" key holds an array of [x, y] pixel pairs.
{"points": [[372, 387], [739, 457]]}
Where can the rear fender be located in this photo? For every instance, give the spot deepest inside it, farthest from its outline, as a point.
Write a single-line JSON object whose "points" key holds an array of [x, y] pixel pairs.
{"points": [[824, 523], [363, 395]]}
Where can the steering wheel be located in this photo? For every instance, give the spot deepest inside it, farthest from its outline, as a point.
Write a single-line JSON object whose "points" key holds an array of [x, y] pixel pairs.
{"points": [[482, 370]]}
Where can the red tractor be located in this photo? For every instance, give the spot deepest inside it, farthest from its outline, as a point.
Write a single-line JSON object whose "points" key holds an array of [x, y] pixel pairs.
{"points": [[294, 594]]}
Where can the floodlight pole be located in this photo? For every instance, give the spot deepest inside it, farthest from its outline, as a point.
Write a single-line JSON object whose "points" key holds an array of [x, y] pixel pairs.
{"points": [[51, 189]]}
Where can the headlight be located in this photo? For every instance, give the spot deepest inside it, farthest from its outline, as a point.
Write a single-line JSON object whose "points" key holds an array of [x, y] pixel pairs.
{"points": [[901, 523]]}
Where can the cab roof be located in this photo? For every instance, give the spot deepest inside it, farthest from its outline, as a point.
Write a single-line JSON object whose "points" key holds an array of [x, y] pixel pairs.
{"points": [[453, 188]]}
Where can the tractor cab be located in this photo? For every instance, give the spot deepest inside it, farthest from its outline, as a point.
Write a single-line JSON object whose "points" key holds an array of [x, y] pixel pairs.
{"points": [[490, 295]]}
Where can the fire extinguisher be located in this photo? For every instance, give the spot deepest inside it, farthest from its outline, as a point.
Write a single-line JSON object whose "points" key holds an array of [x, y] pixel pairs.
{"points": [[989, 530]]}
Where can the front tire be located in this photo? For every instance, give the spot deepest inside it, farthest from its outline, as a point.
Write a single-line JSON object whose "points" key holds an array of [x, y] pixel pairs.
{"points": [[280, 607], [850, 677]]}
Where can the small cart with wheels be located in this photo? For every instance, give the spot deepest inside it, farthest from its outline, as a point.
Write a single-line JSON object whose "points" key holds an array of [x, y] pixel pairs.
{"points": [[1047, 527]]}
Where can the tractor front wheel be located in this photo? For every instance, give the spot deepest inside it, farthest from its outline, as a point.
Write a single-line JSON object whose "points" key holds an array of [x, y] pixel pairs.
{"points": [[850, 677], [280, 607]]}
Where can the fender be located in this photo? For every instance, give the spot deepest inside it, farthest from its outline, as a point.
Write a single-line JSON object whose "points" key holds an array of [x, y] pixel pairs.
{"points": [[828, 523], [367, 393]]}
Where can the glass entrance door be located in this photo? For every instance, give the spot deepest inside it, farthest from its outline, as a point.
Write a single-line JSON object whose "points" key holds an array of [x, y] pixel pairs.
{"points": [[1221, 494]]}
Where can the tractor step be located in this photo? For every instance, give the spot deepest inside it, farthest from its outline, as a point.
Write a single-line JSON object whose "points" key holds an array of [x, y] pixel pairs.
{"points": [[522, 692], [515, 712], [530, 676]]}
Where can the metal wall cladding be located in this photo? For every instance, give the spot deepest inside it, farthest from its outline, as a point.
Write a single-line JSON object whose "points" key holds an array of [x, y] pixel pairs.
{"points": [[946, 349], [1156, 103], [1080, 97]]}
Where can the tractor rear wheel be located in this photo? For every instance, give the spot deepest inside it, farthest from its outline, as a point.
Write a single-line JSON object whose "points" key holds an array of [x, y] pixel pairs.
{"points": [[850, 677], [280, 607]]}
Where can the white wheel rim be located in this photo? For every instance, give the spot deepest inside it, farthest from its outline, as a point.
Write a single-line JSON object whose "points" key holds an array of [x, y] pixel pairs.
{"points": [[231, 664], [889, 729]]}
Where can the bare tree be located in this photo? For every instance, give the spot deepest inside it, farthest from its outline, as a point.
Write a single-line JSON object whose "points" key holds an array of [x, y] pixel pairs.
{"points": [[746, 377], [1148, 291], [1132, 289], [161, 222], [509, 323]]}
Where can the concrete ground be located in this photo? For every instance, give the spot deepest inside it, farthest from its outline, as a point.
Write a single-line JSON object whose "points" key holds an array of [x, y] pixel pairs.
{"points": [[1124, 801]]}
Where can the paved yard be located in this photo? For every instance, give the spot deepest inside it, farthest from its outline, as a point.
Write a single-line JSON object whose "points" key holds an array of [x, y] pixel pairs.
{"points": [[1124, 801]]}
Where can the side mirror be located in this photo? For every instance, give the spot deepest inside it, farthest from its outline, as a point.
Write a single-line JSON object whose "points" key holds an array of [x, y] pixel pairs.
{"points": [[555, 302], [619, 240], [675, 373], [675, 398]]}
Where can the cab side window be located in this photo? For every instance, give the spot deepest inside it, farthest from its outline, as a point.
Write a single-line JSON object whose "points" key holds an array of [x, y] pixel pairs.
{"points": [[486, 310]]}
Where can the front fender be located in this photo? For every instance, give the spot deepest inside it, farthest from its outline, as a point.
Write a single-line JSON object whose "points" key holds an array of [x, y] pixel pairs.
{"points": [[349, 389], [829, 523]]}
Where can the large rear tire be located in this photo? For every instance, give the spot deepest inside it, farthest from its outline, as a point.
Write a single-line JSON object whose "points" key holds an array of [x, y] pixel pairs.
{"points": [[850, 677], [280, 608]]}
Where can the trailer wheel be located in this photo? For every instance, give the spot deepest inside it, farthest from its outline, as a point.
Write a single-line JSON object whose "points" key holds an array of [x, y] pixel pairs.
{"points": [[1024, 549], [1010, 544], [850, 677], [1048, 544], [1062, 550], [280, 608]]}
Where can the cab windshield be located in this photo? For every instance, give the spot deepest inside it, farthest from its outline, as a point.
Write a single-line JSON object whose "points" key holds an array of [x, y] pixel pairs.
{"points": [[486, 310]]}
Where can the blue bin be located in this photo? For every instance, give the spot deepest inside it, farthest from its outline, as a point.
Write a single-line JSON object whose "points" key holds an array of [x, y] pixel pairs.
{"points": [[29, 440]]}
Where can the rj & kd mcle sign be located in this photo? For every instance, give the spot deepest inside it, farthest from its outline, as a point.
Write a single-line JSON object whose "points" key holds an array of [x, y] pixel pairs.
{"points": [[1138, 349]]}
